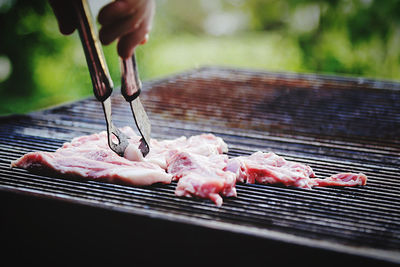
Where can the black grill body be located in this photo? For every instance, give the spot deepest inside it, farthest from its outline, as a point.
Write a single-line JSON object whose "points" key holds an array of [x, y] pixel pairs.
{"points": [[334, 124]]}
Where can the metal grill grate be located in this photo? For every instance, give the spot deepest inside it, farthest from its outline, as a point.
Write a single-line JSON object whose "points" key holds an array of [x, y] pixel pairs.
{"points": [[333, 124]]}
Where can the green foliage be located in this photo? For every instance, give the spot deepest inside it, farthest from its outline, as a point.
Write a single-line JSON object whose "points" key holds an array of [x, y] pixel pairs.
{"points": [[344, 37]]}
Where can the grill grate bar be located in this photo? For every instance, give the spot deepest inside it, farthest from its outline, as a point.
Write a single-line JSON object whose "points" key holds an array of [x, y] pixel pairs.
{"points": [[322, 168], [330, 225], [328, 167], [331, 201], [77, 115], [274, 144], [279, 114], [328, 143], [247, 192], [375, 154], [251, 96], [92, 111], [256, 119]]}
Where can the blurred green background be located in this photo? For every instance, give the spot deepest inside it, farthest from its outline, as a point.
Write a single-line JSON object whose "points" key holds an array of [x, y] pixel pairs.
{"points": [[39, 67]]}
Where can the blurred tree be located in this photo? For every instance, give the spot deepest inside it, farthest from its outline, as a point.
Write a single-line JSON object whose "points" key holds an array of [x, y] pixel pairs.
{"points": [[21, 38], [345, 37], [39, 57]]}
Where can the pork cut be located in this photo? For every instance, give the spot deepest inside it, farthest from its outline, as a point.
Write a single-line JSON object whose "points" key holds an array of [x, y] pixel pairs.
{"points": [[341, 179], [197, 163], [202, 176], [269, 168], [90, 157], [161, 150]]}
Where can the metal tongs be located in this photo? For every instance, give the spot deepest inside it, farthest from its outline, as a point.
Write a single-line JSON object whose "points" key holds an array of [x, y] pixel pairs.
{"points": [[103, 85]]}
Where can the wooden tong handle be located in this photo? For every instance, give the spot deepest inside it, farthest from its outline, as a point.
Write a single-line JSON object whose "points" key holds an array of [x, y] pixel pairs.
{"points": [[130, 83], [101, 79]]}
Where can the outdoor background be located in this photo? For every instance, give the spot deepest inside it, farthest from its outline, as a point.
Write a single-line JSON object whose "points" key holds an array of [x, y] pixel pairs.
{"points": [[39, 67]]}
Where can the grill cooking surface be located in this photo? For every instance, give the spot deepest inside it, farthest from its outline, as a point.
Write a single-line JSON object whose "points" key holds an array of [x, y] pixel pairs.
{"points": [[333, 124]]}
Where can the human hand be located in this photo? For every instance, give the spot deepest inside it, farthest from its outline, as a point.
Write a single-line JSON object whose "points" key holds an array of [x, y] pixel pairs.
{"points": [[129, 21]]}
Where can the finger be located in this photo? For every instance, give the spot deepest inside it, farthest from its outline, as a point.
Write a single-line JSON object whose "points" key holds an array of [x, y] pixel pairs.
{"points": [[111, 32], [128, 43], [117, 10], [112, 12], [65, 15]]}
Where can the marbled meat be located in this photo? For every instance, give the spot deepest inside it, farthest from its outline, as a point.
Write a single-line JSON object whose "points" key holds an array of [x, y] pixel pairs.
{"points": [[198, 164], [90, 157], [269, 168], [202, 176]]}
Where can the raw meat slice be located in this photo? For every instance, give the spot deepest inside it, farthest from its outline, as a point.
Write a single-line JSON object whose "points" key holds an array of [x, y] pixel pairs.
{"points": [[183, 163], [203, 144], [92, 165], [269, 168], [197, 163], [90, 157], [341, 179], [202, 176]]}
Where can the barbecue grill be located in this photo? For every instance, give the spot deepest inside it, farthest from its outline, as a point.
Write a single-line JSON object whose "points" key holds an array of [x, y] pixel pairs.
{"points": [[334, 124]]}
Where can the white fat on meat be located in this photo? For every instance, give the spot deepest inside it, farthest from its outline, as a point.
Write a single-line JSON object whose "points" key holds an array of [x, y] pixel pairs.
{"points": [[161, 151], [133, 153]]}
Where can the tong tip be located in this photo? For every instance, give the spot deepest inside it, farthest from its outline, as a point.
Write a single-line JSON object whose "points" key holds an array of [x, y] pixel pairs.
{"points": [[144, 147], [122, 140]]}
